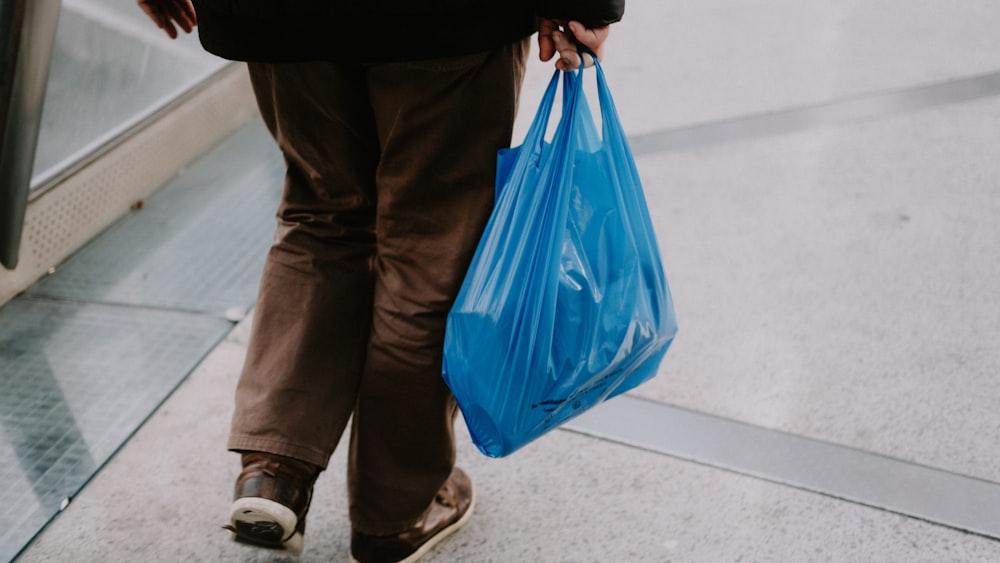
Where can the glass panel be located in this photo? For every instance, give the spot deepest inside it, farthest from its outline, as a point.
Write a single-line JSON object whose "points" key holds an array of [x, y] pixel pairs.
{"points": [[111, 68], [78, 380]]}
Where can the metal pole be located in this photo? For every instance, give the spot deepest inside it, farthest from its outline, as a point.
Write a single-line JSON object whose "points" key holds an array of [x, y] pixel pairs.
{"points": [[27, 34]]}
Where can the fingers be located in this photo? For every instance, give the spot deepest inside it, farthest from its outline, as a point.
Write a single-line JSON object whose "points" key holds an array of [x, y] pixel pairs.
{"points": [[569, 57], [182, 12], [592, 38], [546, 46], [151, 12], [557, 37], [165, 13]]}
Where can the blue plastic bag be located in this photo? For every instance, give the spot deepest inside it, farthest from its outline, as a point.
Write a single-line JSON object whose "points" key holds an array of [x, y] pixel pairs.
{"points": [[565, 303]]}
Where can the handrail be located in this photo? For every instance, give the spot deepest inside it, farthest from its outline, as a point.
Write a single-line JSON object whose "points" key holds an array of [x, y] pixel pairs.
{"points": [[27, 34]]}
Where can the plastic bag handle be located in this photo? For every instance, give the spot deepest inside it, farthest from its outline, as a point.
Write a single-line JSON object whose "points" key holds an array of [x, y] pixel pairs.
{"points": [[535, 136], [581, 48], [611, 128], [536, 132]]}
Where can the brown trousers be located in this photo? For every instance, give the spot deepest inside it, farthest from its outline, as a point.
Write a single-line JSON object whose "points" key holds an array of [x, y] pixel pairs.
{"points": [[389, 185]]}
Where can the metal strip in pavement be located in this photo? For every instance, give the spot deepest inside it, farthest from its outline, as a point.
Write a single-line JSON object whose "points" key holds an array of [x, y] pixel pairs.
{"points": [[848, 110], [957, 501]]}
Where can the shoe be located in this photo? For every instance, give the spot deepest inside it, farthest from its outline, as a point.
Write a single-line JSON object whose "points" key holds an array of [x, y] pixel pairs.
{"points": [[452, 508], [271, 499]]}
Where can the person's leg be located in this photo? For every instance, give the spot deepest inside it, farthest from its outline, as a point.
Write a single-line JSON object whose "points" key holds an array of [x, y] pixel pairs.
{"points": [[440, 125], [311, 324], [313, 311]]}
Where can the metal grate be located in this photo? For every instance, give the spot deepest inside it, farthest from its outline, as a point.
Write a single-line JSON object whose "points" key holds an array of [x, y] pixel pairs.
{"points": [[78, 380]]}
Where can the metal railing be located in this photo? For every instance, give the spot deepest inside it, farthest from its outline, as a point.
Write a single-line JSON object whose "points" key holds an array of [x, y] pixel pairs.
{"points": [[27, 33]]}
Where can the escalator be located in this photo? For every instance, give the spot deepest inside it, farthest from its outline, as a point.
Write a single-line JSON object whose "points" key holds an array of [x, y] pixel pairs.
{"points": [[136, 204]]}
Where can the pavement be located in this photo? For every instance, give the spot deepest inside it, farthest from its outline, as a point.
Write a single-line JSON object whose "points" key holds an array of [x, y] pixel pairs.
{"points": [[824, 182]]}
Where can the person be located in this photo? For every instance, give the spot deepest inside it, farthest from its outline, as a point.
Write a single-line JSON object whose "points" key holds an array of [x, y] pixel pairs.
{"points": [[389, 116]]}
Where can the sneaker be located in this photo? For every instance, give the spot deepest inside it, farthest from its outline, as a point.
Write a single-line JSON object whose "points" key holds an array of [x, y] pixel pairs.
{"points": [[271, 500], [451, 509]]}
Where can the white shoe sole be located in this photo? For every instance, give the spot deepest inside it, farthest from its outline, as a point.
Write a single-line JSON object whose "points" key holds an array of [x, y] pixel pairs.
{"points": [[266, 522]]}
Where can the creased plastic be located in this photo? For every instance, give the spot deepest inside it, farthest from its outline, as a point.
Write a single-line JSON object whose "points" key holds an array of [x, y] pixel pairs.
{"points": [[565, 303]]}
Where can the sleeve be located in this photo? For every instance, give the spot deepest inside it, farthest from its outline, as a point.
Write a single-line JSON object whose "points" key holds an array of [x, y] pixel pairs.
{"points": [[591, 13]]}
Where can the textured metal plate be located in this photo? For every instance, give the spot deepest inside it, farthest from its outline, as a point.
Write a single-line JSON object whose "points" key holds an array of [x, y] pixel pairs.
{"points": [[78, 380], [158, 257], [953, 500]]}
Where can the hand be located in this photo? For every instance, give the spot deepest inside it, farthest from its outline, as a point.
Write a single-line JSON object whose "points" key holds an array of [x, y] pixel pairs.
{"points": [[166, 13], [555, 36]]}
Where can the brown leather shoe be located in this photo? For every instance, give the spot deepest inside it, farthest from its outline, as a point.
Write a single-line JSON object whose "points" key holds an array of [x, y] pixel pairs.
{"points": [[450, 510], [271, 499]]}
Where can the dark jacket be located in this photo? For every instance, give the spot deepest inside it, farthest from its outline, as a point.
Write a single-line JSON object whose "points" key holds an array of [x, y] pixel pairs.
{"points": [[379, 30]]}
